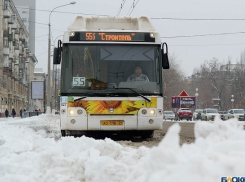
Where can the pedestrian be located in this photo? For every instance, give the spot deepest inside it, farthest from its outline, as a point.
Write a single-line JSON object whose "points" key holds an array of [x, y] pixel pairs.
{"points": [[25, 109], [39, 110], [21, 112], [6, 113], [13, 113]]}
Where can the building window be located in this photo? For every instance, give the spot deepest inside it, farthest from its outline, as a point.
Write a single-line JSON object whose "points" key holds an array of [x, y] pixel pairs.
{"points": [[6, 4], [24, 20]]}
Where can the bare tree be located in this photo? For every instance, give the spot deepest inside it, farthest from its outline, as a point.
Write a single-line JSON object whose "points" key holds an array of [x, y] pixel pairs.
{"points": [[172, 82]]}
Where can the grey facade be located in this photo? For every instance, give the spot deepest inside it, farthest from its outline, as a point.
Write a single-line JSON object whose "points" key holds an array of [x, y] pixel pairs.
{"points": [[22, 6]]}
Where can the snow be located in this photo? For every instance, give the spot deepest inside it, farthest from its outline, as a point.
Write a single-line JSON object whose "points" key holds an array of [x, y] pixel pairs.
{"points": [[31, 150]]}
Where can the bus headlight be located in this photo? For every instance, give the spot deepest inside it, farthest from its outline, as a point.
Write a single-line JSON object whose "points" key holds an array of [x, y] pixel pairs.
{"points": [[144, 111], [152, 35], [151, 121], [79, 111], [73, 121], [71, 111], [72, 34], [152, 112]]}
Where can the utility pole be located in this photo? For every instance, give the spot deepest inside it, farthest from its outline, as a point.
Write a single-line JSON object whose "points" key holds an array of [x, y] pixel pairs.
{"points": [[48, 111]]}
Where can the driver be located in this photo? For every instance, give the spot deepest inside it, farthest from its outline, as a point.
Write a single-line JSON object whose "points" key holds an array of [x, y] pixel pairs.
{"points": [[137, 76]]}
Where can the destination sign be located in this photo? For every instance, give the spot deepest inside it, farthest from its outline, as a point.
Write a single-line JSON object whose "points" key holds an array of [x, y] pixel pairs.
{"points": [[113, 36]]}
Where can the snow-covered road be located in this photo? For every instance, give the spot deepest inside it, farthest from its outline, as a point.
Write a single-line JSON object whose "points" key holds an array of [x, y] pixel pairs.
{"points": [[31, 150]]}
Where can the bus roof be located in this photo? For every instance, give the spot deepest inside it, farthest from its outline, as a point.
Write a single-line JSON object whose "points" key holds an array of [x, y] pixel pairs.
{"points": [[117, 30], [92, 23]]}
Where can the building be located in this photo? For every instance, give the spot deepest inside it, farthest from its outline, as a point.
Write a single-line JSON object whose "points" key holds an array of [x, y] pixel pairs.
{"points": [[26, 9], [16, 61]]}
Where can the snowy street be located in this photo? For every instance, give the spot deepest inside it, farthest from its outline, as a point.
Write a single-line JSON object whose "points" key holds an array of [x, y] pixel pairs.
{"points": [[31, 149]]}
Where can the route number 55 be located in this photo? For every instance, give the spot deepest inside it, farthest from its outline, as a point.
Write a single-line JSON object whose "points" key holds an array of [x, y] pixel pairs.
{"points": [[78, 81]]}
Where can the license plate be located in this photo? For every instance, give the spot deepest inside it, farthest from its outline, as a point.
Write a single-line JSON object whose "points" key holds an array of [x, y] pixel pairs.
{"points": [[112, 122]]}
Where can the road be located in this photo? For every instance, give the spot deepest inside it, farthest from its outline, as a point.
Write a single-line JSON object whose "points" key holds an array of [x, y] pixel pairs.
{"points": [[186, 135], [51, 126]]}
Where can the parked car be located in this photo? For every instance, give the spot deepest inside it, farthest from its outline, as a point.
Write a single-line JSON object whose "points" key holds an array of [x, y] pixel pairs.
{"points": [[222, 114], [197, 114], [209, 114], [235, 113], [168, 115], [183, 113]]}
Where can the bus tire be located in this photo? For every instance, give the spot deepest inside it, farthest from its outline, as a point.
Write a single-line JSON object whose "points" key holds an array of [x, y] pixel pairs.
{"points": [[147, 134], [63, 133]]}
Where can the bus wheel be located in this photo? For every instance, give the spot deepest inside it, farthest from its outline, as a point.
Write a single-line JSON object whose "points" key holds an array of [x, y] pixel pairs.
{"points": [[63, 133], [147, 134]]}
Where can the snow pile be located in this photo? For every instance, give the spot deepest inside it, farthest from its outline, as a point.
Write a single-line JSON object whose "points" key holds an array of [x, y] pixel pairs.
{"points": [[28, 154], [219, 151]]}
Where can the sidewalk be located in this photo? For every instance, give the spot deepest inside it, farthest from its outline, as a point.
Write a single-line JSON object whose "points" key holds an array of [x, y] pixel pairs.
{"points": [[9, 119]]}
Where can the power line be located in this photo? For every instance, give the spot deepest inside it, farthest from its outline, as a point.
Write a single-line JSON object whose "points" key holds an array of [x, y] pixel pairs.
{"points": [[201, 19], [51, 29], [34, 22], [204, 35], [37, 23], [42, 53], [39, 36], [65, 12], [132, 7], [206, 45], [121, 7]]}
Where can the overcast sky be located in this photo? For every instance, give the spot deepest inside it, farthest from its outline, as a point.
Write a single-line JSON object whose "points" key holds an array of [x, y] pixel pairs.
{"points": [[190, 52]]}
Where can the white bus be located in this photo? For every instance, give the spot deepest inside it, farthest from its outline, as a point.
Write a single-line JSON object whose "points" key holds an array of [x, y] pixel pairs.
{"points": [[111, 76]]}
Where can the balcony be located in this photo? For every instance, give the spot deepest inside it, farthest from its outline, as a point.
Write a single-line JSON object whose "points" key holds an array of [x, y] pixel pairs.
{"points": [[6, 33], [21, 51], [26, 45], [22, 81], [16, 46], [21, 66], [10, 20], [15, 59], [11, 37], [6, 13], [14, 26], [6, 50], [17, 31], [11, 55]]}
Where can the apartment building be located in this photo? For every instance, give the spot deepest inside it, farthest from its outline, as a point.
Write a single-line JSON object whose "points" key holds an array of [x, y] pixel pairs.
{"points": [[16, 61], [26, 9]]}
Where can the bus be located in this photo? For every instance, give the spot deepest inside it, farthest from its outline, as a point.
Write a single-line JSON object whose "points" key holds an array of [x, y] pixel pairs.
{"points": [[111, 76]]}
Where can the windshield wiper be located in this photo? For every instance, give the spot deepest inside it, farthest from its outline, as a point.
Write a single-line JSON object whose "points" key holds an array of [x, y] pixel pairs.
{"points": [[80, 98], [135, 92]]}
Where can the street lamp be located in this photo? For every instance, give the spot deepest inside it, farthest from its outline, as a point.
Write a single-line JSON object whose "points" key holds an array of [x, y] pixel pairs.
{"points": [[232, 100], [196, 94], [49, 47]]}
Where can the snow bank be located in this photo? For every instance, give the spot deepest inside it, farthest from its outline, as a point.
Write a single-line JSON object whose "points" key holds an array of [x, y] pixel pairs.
{"points": [[27, 153], [219, 151]]}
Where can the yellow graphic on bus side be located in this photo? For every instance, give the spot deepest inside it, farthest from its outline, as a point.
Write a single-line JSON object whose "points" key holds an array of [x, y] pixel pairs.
{"points": [[113, 107]]}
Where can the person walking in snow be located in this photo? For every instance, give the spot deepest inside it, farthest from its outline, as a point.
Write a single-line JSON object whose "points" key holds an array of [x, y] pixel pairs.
{"points": [[13, 113], [6, 113], [21, 113]]}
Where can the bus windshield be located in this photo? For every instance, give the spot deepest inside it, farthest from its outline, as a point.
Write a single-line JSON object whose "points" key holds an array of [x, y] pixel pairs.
{"points": [[98, 69]]}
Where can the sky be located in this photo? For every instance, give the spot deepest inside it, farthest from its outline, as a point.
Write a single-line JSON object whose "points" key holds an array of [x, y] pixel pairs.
{"points": [[31, 150], [182, 31]]}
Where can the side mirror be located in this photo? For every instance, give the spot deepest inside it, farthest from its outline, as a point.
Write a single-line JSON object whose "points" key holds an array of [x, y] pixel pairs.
{"points": [[57, 53], [165, 62]]}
